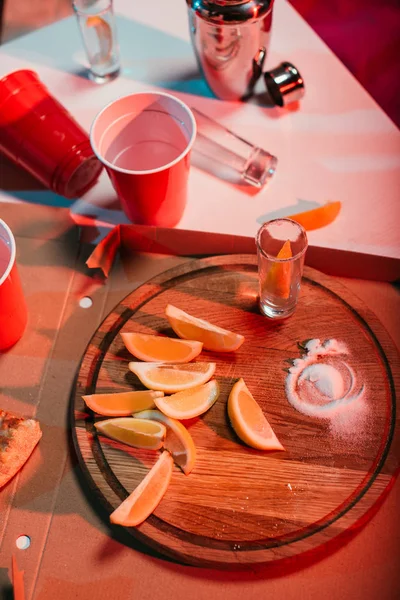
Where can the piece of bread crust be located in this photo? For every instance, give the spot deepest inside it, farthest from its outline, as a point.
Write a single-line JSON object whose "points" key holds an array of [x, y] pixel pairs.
{"points": [[19, 448]]}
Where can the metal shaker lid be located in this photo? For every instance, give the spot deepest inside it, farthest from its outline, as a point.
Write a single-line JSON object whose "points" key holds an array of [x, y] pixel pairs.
{"points": [[284, 84]]}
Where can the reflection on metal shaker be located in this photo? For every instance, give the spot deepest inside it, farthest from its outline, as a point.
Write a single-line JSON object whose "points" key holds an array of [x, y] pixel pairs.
{"points": [[230, 38]]}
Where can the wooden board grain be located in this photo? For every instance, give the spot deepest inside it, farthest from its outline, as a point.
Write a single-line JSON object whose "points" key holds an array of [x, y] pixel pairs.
{"points": [[241, 506]]}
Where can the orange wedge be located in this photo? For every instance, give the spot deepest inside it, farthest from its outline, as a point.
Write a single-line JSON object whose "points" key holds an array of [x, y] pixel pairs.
{"points": [[213, 338], [104, 36], [172, 378], [178, 440], [155, 348], [278, 278], [318, 217], [248, 420], [189, 403], [122, 404], [139, 433], [146, 497]]}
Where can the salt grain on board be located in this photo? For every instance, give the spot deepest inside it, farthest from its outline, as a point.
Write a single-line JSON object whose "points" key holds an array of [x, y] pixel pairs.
{"points": [[327, 390]]}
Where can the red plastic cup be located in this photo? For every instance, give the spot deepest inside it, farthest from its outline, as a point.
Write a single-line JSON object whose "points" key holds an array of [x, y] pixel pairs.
{"points": [[38, 133], [34, 93], [13, 311], [144, 140]]}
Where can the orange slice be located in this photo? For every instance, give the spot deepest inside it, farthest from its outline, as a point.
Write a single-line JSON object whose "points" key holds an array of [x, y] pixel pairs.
{"points": [[146, 497], [318, 217], [279, 274], [248, 420], [285, 251], [189, 403], [172, 378], [122, 404], [104, 36], [178, 440], [155, 348], [213, 338], [139, 433]]}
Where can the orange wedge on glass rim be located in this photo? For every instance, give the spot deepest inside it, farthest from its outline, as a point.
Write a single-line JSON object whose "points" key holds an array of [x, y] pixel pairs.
{"points": [[146, 497], [248, 420], [178, 440], [318, 217], [172, 378], [212, 337], [279, 274], [189, 403], [139, 433], [156, 348], [121, 404]]}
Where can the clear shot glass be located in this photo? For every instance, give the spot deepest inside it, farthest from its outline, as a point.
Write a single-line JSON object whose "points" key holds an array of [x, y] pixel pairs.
{"points": [[281, 248], [226, 155], [97, 25]]}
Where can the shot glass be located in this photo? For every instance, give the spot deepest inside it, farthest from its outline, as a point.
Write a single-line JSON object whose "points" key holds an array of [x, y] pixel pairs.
{"points": [[13, 311], [97, 25], [281, 248], [226, 155]]}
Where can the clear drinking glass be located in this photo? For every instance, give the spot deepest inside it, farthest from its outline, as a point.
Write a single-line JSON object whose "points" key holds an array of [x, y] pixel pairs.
{"points": [[228, 156], [97, 25], [281, 247]]}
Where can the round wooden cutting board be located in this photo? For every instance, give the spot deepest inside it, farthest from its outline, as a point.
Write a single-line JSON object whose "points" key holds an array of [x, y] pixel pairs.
{"points": [[242, 506]]}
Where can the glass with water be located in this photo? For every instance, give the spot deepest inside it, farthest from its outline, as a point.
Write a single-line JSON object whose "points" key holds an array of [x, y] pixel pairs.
{"points": [[97, 25], [281, 248]]}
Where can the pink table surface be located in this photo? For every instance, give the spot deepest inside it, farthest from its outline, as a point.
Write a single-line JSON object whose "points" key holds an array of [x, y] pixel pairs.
{"points": [[336, 145], [74, 553]]}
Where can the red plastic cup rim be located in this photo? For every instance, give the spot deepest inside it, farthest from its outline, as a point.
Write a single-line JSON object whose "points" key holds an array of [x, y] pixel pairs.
{"points": [[150, 171], [10, 265]]}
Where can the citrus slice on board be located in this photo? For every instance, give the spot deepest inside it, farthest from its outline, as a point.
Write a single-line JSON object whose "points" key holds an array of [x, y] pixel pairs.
{"points": [[155, 348], [172, 378], [178, 440], [279, 274], [139, 433], [248, 420], [146, 497], [122, 404], [213, 338], [189, 403], [318, 217]]}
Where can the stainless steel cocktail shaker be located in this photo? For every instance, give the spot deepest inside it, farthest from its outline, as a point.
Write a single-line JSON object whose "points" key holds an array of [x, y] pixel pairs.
{"points": [[230, 39]]}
